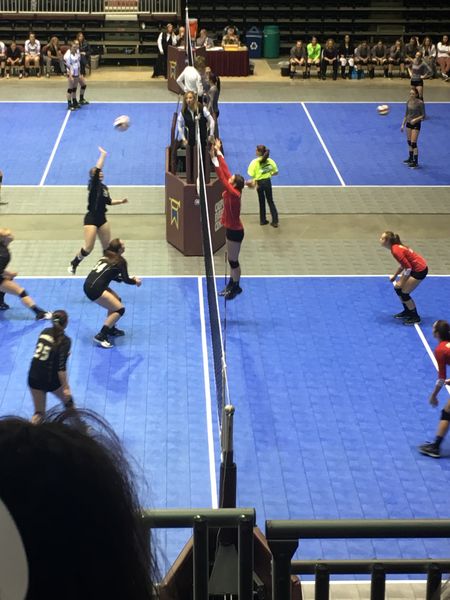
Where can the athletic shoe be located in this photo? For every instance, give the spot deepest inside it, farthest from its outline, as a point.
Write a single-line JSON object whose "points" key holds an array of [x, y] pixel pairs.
{"points": [[266, 222], [102, 340], [274, 224], [407, 161], [233, 292], [226, 289], [43, 314], [413, 165], [71, 108], [445, 77], [83, 102], [20, 75], [115, 332], [430, 450], [72, 269], [401, 315], [4, 306], [75, 105], [411, 320]]}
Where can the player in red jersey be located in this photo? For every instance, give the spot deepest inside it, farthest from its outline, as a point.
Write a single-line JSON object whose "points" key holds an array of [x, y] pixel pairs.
{"points": [[412, 270], [231, 220], [441, 331]]}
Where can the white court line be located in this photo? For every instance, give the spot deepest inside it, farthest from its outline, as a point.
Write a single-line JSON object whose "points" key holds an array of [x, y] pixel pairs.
{"points": [[291, 276], [313, 125], [300, 186], [208, 401], [222, 102], [55, 148], [429, 350]]}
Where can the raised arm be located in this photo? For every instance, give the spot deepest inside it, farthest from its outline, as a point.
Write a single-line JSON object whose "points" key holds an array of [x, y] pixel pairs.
{"points": [[101, 158]]}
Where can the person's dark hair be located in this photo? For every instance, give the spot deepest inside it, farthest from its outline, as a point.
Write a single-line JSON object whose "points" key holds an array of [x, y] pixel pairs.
{"points": [[263, 152], [416, 91], [392, 238], [239, 182], [112, 252], [442, 328], [59, 322], [213, 78], [74, 502]]}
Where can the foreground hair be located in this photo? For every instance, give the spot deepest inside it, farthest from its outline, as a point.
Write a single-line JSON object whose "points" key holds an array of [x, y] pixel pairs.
{"points": [[74, 502]]}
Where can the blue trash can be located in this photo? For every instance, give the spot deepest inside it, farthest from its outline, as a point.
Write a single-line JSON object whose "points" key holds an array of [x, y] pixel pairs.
{"points": [[254, 41]]}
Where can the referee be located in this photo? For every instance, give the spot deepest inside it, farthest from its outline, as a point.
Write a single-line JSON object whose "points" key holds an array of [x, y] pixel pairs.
{"points": [[261, 170]]}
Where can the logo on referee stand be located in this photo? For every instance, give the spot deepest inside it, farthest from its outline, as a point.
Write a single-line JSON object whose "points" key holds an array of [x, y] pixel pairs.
{"points": [[174, 212]]}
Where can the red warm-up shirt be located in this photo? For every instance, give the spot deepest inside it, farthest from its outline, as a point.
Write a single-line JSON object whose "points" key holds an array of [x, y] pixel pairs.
{"points": [[442, 354], [408, 258], [231, 198]]}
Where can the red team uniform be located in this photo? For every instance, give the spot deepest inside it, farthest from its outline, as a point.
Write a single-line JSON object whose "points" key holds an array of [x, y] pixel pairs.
{"points": [[442, 354], [409, 260], [231, 199]]}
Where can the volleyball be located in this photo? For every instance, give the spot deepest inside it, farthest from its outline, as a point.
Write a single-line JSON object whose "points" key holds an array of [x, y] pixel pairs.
{"points": [[122, 123], [383, 109]]}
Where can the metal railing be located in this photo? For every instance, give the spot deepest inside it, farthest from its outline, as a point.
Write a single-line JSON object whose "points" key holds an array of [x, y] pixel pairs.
{"points": [[201, 520], [167, 7], [283, 538]]}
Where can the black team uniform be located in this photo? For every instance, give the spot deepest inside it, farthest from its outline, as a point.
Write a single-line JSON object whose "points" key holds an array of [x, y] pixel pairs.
{"points": [[98, 198], [97, 282], [49, 358]]}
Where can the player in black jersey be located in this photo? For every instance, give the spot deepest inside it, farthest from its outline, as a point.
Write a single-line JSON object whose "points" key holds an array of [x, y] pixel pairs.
{"points": [[112, 267], [8, 286], [95, 223], [48, 367]]}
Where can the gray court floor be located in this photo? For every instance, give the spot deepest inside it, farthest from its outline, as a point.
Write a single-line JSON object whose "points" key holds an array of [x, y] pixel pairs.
{"points": [[322, 230]]}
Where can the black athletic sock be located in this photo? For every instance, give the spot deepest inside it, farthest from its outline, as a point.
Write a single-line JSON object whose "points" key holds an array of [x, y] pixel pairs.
{"points": [[438, 441], [411, 155], [105, 330], [69, 102], [36, 309], [406, 308], [413, 312]]}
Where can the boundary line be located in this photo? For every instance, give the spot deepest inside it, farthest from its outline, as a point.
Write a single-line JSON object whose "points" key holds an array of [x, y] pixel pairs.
{"points": [[224, 102], [313, 125], [118, 185], [55, 148], [316, 276], [208, 401], [429, 350]]}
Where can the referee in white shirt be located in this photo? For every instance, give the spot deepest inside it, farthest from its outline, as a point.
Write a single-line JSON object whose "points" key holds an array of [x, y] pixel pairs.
{"points": [[72, 60], [190, 79], [32, 55]]}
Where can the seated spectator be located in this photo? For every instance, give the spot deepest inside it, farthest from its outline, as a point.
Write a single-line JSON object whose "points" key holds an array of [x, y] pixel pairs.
{"points": [[347, 57], [74, 501], [362, 58], [53, 57], [409, 51], [32, 55], [2, 59], [181, 37], [443, 56], [329, 59], [378, 58], [429, 52], [85, 52], [203, 41], [14, 60], [232, 26], [314, 51], [190, 79], [165, 39], [298, 58], [395, 58], [230, 38]]}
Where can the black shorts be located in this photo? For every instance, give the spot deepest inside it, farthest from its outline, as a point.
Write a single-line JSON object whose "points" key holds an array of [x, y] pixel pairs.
{"points": [[44, 386], [415, 126], [96, 220], [235, 235], [93, 292], [416, 82], [419, 274]]}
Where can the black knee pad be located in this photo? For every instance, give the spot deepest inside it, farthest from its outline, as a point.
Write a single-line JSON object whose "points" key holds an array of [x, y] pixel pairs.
{"points": [[445, 416], [234, 264], [409, 143], [82, 87], [84, 252], [121, 311], [23, 294], [405, 297], [413, 145], [398, 291], [71, 90]]}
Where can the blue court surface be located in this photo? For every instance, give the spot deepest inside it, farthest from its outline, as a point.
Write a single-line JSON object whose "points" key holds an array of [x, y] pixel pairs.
{"points": [[366, 149], [331, 397]]}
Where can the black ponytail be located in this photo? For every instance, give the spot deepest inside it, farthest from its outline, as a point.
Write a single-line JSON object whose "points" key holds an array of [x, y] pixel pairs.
{"points": [[59, 322], [112, 253], [264, 152]]}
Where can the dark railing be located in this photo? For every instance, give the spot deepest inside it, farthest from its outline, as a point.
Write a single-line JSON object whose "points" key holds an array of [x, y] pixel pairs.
{"points": [[283, 538], [92, 6], [201, 520]]}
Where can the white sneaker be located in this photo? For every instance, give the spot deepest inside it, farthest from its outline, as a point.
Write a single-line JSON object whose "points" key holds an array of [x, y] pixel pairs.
{"points": [[103, 342]]}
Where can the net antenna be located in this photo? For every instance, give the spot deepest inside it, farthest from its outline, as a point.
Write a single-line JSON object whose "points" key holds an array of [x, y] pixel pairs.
{"points": [[189, 45]]}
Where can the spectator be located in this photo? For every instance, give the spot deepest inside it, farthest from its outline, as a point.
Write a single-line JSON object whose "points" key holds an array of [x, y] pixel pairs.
{"points": [[362, 58], [203, 41], [298, 58], [231, 38], [233, 27], [395, 57], [314, 51], [428, 50], [378, 58], [32, 55], [14, 56], [443, 56], [190, 79], [410, 50], [347, 57], [165, 39], [53, 57], [181, 37], [329, 58], [2, 59], [85, 52], [74, 501]]}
